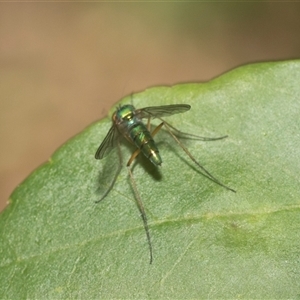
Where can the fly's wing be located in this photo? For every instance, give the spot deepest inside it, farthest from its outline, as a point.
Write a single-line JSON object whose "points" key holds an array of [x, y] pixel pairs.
{"points": [[108, 143], [161, 111]]}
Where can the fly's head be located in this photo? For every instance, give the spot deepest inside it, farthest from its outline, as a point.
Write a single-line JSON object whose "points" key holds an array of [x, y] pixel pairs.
{"points": [[124, 114]]}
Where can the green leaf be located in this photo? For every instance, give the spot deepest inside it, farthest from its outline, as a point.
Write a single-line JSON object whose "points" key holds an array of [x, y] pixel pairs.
{"points": [[208, 242]]}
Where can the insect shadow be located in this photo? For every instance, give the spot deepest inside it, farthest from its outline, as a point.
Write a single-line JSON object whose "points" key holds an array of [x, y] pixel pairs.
{"points": [[128, 125], [111, 164]]}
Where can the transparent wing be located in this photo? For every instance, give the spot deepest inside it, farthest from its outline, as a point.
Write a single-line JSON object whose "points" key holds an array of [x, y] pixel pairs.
{"points": [[108, 143], [162, 111]]}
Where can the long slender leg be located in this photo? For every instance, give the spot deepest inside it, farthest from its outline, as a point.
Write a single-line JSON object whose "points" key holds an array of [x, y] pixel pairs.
{"points": [[133, 156], [137, 195], [142, 211], [116, 175], [206, 173], [156, 130], [198, 137]]}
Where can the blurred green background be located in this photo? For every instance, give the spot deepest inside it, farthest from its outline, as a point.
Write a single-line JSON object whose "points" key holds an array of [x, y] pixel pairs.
{"points": [[63, 65]]}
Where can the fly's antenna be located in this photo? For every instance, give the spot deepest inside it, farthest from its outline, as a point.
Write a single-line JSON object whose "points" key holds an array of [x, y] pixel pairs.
{"points": [[131, 98]]}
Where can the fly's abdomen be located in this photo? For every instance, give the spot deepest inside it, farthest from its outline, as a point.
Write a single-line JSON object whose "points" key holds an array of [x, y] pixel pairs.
{"points": [[142, 138]]}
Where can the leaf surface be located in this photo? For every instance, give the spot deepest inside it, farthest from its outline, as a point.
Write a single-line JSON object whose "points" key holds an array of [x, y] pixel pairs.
{"points": [[55, 242]]}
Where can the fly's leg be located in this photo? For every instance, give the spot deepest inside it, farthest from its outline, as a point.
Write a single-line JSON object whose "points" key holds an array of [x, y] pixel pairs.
{"points": [[142, 211], [137, 195], [133, 157], [116, 175], [205, 172], [202, 138]]}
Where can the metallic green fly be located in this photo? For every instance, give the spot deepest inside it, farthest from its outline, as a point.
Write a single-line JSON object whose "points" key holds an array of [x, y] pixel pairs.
{"points": [[127, 123]]}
